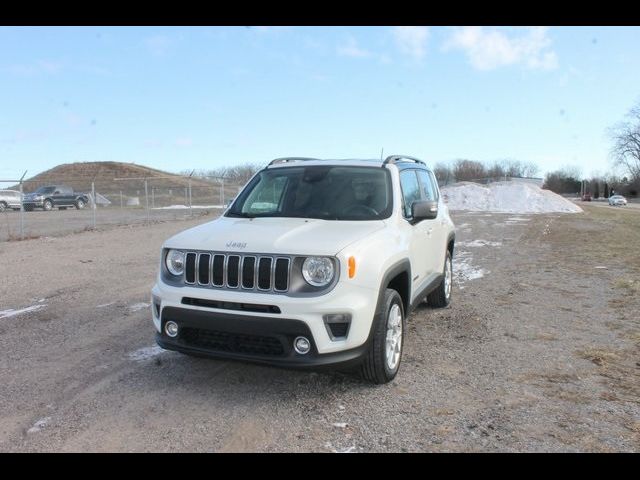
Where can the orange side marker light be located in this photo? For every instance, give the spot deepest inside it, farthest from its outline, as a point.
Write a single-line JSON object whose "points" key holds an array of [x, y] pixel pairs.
{"points": [[352, 267]]}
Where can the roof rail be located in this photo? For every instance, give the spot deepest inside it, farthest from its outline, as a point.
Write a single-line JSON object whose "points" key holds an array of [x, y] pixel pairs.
{"points": [[401, 158], [292, 159]]}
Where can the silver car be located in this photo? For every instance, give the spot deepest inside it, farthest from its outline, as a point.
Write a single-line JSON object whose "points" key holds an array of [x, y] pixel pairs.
{"points": [[9, 199], [617, 200]]}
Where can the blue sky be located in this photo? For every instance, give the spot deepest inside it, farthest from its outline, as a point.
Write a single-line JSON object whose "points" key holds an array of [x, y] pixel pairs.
{"points": [[179, 98]]}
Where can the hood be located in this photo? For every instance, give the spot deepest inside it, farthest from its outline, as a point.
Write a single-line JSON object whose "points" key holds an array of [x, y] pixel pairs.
{"points": [[294, 236]]}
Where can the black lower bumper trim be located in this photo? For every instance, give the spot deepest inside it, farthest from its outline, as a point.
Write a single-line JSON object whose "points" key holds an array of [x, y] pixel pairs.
{"points": [[253, 339]]}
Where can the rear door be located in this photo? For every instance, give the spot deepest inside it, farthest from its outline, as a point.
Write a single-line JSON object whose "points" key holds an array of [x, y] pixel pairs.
{"points": [[65, 196]]}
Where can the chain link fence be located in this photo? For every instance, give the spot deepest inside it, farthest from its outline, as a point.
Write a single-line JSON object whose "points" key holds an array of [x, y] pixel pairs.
{"points": [[107, 202]]}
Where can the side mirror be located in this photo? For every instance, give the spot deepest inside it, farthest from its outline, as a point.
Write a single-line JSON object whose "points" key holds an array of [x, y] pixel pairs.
{"points": [[424, 210]]}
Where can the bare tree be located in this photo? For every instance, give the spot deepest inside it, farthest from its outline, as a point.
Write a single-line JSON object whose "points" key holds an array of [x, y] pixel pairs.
{"points": [[626, 142], [443, 173], [467, 170]]}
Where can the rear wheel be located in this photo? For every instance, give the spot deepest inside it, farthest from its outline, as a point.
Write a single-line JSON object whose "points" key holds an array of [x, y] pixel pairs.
{"points": [[47, 205], [3, 206], [441, 296], [385, 352]]}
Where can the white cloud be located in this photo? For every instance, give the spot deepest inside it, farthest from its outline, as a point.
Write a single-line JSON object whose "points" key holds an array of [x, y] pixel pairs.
{"points": [[412, 41], [490, 48], [351, 49]]}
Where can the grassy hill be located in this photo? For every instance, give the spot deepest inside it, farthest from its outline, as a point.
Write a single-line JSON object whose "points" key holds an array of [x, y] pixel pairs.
{"points": [[80, 175], [113, 179]]}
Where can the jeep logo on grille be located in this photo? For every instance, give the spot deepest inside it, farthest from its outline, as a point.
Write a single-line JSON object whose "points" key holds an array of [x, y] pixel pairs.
{"points": [[233, 244]]}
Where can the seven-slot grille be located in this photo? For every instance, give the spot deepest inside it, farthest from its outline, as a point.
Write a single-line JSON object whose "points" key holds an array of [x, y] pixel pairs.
{"points": [[247, 272]]}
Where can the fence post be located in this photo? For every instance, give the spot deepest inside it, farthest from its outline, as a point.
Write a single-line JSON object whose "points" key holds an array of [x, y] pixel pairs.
{"points": [[190, 209], [222, 192], [153, 197], [146, 197], [21, 213], [121, 203], [93, 200], [22, 206]]}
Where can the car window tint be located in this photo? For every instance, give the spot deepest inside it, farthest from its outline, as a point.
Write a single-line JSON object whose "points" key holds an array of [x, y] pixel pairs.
{"points": [[410, 190]]}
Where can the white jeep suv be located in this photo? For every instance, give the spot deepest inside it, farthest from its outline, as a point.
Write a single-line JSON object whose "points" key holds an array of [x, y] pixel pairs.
{"points": [[316, 263]]}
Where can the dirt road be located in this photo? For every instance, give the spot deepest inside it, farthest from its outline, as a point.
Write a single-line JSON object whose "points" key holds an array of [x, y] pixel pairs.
{"points": [[539, 352]]}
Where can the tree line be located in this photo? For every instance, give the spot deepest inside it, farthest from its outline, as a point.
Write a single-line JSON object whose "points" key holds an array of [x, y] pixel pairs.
{"points": [[464, 170], [625, 153]]}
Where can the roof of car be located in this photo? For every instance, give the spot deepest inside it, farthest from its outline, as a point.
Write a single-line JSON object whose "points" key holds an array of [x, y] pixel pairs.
{"points": [[400, 161]]}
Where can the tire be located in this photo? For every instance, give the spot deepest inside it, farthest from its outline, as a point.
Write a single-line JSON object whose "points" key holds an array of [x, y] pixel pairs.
{"points": [[80, 204], [381, 364], [3, 206], [441, 296], [47, 205]]}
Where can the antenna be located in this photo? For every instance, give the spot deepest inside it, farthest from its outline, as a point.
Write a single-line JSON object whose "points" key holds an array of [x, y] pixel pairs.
{"points": [[381, 153]]}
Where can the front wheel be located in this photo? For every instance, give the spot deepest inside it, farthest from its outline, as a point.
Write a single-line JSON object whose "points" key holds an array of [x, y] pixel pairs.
{"points": [[441, 296], [80, 204], [47, 205], [385, 352], [3, 206]]}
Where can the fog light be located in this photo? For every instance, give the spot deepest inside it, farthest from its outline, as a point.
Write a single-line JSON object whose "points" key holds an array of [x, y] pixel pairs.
{"points": [[301, 345], [171, 329]]}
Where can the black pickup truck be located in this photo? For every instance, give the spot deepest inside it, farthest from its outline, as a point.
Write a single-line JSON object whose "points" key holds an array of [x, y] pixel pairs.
{"points": [[52, 196]]}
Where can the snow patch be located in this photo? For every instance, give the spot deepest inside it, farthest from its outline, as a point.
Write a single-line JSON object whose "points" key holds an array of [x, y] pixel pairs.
{"points": [[138, 306], [339, 425], [480, 243], [105, 305], [509, 197], [12, 313], [39, 425], [183, 207], [351, 449], [464, 270], [146, 353]]}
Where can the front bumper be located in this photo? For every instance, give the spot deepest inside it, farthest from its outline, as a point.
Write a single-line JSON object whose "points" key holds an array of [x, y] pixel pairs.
{"points": [[247, 338], [33, 203], [298, 316]]}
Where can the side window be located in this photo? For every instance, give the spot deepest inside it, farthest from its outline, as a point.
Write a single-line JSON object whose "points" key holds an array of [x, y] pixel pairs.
{"points": [[434, 184], [410, 190], [426, 186]]}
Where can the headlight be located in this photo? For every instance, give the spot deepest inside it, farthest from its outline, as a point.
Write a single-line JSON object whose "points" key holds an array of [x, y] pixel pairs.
{"points": [[175, 262], [318, 271]]}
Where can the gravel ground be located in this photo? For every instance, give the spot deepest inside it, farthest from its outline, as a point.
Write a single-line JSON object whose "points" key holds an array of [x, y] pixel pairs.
{"points": [[538, 352]]}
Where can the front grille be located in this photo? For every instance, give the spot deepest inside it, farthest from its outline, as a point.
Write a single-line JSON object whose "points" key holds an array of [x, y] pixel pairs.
{"points": [[247, 272], [245, 307], [232, 342]]}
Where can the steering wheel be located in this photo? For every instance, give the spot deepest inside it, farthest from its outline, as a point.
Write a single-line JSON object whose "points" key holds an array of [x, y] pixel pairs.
{"points": [[359, 208]]}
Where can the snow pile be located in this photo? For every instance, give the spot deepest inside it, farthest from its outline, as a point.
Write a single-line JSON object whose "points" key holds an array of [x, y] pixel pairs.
{"points": [[510, 197]]}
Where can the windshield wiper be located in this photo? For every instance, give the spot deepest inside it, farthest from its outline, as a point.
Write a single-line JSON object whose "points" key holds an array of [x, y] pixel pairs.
{"points": [[240, 215]]}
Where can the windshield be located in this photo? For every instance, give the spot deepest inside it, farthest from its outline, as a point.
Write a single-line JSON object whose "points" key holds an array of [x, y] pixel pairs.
{"points": [[324, 192], [42, 190]]}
